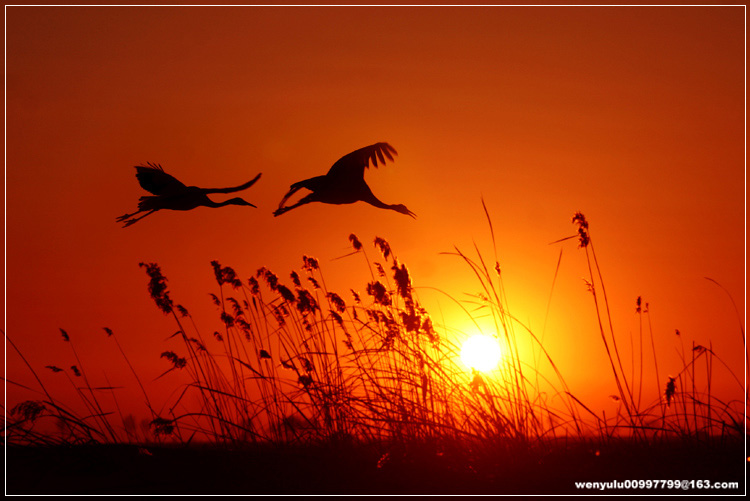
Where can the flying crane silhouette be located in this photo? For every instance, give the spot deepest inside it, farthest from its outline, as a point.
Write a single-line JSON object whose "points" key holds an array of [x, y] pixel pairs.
{"points": [[345, 182], [170, 193]]}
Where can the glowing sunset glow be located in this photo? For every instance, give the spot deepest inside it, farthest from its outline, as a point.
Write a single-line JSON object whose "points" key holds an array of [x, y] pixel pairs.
{"points": [[481, 352], [578, 173]]}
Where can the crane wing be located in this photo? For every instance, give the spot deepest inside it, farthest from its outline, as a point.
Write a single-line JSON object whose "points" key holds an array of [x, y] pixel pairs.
{"points": [[353, 164], [152, 178]]}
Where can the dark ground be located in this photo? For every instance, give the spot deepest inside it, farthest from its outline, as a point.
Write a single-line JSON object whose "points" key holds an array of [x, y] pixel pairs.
{"points": [[365, 469]]}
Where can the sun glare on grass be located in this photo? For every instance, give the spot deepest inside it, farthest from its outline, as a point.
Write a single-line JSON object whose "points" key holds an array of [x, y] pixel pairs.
{"points": [[481, 352]]}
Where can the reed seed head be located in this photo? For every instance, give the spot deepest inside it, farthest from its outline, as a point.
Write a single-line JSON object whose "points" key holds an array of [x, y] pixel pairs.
{"points": [[385, 247], [306, 302], [403, 281], [339, 320], [198, 345], [253, 284], [378, 291], [411, 320], [279, 313], [243, 324], [379, 267], [670, 390], [310, 263], [157, 287], [583, 229], [236, 308], [226, 275], [356, 244], [271, 279], [288, 364], [295, 279], [162, 426], [177, 362], [429, 331], [227, 319], [477, 381], [29, 410], [307, 365], [337, 302]]}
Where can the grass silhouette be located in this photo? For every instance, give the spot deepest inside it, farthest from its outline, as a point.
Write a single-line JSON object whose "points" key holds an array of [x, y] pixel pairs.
{"points": [[296, 365]]}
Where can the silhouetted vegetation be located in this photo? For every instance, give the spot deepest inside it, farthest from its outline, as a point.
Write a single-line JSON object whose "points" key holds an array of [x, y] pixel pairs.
{"points": [[297, 367]]}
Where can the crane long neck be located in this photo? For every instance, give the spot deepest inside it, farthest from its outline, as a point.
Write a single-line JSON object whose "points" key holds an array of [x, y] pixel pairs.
{"points": [[231, 201], [373, 200]]}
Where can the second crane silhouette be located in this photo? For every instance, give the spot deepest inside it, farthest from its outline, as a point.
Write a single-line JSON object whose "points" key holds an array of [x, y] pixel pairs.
{"points": [[345, 182], [169, 193]]}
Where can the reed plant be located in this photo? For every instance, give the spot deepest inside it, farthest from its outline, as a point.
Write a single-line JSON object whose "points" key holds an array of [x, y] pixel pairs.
{"points": [[293, 362]]}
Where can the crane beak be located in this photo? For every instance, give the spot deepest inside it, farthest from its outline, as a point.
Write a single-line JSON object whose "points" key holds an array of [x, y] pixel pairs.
{"points": [[410, 213]]}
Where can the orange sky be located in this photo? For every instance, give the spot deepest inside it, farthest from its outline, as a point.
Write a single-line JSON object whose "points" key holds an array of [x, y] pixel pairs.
{"points": [[632, 115]]}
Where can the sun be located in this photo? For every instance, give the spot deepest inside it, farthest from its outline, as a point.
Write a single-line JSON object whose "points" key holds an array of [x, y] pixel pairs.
{"points": [[481, 352]]}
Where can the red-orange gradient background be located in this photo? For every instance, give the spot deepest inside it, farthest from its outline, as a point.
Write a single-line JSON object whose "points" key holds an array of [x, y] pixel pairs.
{"points": [[632, 115]]}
